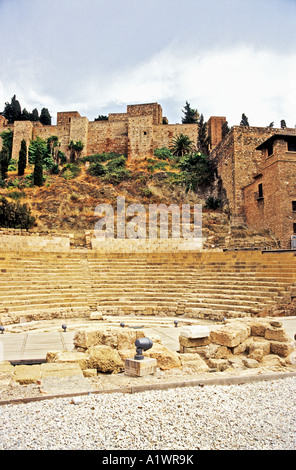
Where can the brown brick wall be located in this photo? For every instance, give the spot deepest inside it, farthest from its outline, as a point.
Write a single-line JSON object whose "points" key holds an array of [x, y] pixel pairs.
{"points": [[274, 210], [238, 160], [163, 134], [105, 136]]}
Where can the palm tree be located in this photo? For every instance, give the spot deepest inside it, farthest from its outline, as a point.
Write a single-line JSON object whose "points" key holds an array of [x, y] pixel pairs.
{"points": [[181, 145]]}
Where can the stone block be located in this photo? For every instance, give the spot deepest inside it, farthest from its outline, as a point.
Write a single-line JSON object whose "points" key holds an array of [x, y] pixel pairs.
{"points": [[276, 334], [51, 369], [137, 368], [240, 349], [230, 335], [264, 346], [218, 364], [68, 357], [166, 359], [193, 362], [193, 343], [90, 372], [194, 332], [6, 368], [281, 349], [250, 363], [258, 327], [25, 374], [105, 359]]}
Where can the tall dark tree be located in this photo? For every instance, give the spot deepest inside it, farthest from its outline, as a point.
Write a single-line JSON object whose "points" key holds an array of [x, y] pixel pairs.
{"points": [[12, 111], [38, 168], [25, 116], [22, 163], [45, 117], [7, 140], [203, 140], [191, 116], [244, 121], [4, 162], [225, 129], [34, 116]]}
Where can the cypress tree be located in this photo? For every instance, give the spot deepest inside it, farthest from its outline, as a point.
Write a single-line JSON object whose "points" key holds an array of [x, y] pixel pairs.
{"points": [[191, 116], [244, 121], [45, 117], [38, 169], [4, 162], [22, 158]]}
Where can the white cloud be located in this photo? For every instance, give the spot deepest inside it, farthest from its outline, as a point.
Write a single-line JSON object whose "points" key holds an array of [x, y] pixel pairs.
{"points": [[97, 56], [239, 80]]}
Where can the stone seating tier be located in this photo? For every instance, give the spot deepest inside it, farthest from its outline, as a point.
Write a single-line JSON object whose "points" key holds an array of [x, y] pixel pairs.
{"points": [[213, 285]]}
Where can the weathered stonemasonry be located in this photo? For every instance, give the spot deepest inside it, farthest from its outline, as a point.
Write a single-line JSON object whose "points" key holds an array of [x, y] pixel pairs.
{"points": [[243, 165], [135, 133], [270, 200]]}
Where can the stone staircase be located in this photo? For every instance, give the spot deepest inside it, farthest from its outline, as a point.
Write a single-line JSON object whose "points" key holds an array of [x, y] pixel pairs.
{"points": [[209, 285]]}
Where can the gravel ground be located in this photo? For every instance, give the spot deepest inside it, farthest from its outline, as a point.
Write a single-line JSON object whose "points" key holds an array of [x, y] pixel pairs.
{"points": [[255, 416]]}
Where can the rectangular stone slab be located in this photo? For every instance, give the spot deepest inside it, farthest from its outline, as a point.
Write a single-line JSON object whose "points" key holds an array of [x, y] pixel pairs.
{"points": [[194, 332], [138, 368]]}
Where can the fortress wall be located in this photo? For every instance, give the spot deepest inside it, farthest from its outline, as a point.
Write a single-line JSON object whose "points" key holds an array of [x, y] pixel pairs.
{"points": [[140, 137], [61, 131], [274, 210], [21, 130], [163, 134], [150, 109], [105, 136], [238, 161], [79, 131]]}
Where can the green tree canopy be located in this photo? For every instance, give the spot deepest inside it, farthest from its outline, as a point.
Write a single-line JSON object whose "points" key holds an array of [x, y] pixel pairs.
{"points": [[22, 162], [244, 120], [203, 139], [75, 150], [191, 116], [15, 215], [197, 171], [45, 117], [12, 111], [181, 145], [38, 168], [4, 162]]}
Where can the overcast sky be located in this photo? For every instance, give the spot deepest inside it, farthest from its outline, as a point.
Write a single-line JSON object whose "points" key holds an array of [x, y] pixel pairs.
{"points": [[225, 57]]}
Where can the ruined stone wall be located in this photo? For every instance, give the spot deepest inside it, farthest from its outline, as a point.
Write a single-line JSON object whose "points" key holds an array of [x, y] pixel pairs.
{"points": [[238, 161], [274, 209], [107, 136], [150, 109], [214, 129], [21, 130], [135, 133], [140, 137], [163, 134]]}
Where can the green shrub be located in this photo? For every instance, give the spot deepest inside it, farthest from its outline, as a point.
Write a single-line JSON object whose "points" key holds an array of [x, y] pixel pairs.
{"points": [[15, 215], [116, 176], [16, 195], [100, 157], [197, 170], [163, 153], [12, 165], [213, 203], [71, 171], [97, 169], [116, 163]]}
